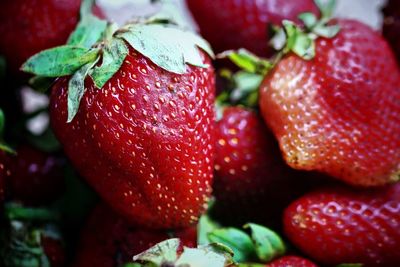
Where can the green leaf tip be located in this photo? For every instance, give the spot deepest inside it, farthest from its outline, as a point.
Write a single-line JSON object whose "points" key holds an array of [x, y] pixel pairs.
{"points": [[59, 61], [167, 46], [247, 61], [88, 32], [76, 89], [326, 7], [236, 239], [165, 251], [268, 244]]}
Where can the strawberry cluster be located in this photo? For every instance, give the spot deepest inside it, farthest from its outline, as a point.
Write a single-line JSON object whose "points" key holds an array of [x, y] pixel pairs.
{"points": [[283, 149]]}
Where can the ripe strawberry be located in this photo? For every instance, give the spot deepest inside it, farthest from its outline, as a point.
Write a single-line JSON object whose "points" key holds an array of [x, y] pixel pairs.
{"points": [[339, 112], [335, 226], [27, 27], [229, 24], [391, 25], [108, 240], [291, 261], [249, 170], [138, 125], [37, 178]]}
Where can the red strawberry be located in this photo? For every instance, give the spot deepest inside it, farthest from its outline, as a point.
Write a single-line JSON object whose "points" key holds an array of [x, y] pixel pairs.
{"points": [[391, 25], [339, 112], [108, 240], [27, 27], [229, 24], [144, 141], [54, 251], [249, 170], [37, 177], [337, 226], [291, 261], [136, 117]]}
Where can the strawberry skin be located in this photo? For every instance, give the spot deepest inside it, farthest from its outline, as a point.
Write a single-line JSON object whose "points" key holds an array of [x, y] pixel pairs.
{"points": [[27, 27], [54, 251], [37, 177], [145, 141], [391, 25], [291, 261], [338, 113], [108, 240], [337, 226], [249, 170], [229, 24]]}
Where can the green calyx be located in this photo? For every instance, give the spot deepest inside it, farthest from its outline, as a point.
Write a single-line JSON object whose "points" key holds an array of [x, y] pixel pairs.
{"points": [[167, 253], [290, 38], [98, 49], [261, 245]]}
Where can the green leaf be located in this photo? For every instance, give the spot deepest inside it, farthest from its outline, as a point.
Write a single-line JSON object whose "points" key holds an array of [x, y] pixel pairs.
{"points": [[86, 8], [248, 61], [298, 41], [309, 19], [327, 31], [211, 255], [165, 251], [15, 211], [76, 89], [326, 7], [59, 61], [304, 47], [167, 46], [237, 240], [267, 243], [204, 227], [90, 30], [245, 83], [113, 57]]}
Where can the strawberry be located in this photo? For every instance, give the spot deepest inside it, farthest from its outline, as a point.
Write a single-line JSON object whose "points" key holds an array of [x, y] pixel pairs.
{"points": [[338, 113], [391, 25], [249, 170], [27, 27], [229, 24], [108, 240], [293, 261], [37, 177], [135, 117], [339, 225]]}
